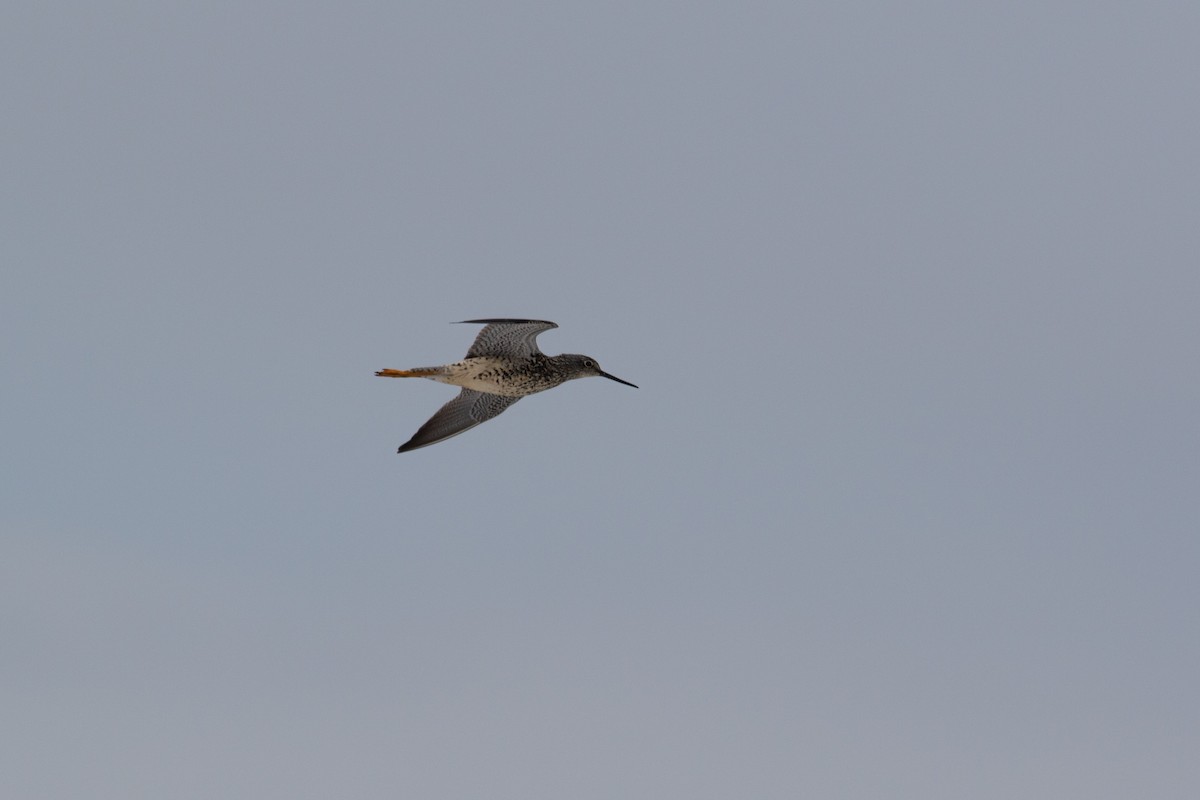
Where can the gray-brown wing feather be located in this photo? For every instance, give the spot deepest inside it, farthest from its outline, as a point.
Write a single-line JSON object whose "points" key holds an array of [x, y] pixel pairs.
{"points": [[462, 413], [514, 338]]}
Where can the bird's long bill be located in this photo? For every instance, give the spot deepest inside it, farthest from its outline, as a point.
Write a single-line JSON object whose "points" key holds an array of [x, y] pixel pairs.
{"points": [[618, 380]]}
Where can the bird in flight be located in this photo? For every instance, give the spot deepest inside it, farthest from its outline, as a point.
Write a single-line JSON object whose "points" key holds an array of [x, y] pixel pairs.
{"points": [[502, 366]]}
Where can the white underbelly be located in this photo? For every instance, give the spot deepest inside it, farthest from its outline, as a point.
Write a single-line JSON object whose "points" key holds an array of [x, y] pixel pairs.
{"points": [[490, 375]]}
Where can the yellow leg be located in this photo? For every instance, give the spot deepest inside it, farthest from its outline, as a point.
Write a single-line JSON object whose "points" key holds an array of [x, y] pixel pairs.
{"points": [[405, 373]]}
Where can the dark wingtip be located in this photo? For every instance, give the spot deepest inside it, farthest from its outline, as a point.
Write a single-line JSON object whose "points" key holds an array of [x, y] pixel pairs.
{"points": [[502, 321], [412, 444]]}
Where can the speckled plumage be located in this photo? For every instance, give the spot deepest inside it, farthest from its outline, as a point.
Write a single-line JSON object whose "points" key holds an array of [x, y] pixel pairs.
{"points": [[503, 365]]}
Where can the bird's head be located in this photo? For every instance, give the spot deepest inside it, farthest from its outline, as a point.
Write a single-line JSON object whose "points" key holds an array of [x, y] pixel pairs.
{"points": [[587, 367]]}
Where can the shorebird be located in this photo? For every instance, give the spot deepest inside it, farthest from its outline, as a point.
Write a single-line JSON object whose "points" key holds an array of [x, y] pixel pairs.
{"points": [[502, 366]]}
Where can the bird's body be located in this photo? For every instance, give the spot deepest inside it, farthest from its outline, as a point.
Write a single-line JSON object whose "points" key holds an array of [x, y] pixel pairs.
{"points": [[502, 366], [502, 375]]}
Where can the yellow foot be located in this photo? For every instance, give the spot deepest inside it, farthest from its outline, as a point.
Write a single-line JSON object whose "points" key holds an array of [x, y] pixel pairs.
{"points": [[405, 373]]}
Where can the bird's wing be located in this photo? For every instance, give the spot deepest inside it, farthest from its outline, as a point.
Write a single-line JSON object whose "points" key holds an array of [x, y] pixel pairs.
{"points": [[462, 413], [514, 338]]}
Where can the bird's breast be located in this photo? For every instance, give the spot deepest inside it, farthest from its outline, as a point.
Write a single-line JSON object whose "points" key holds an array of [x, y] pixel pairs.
{"points": [[502, 376]]}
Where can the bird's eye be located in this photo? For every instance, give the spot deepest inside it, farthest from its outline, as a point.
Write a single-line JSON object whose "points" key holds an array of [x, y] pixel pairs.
{"points": [[587, 362]]}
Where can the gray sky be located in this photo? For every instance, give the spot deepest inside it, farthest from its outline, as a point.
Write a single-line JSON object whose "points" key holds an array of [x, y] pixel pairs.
{"points": [[906, 505]]}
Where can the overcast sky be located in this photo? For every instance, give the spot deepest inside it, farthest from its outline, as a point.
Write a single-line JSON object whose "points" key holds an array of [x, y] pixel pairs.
{"points": [[907, 504]]}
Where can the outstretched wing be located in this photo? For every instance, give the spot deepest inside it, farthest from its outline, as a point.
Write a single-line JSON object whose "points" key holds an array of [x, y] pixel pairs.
{"points": [[512, 338], [462, 413]]}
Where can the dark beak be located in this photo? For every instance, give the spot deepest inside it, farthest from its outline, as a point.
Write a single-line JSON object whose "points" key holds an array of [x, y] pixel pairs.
{"points": [[618, 380]]}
